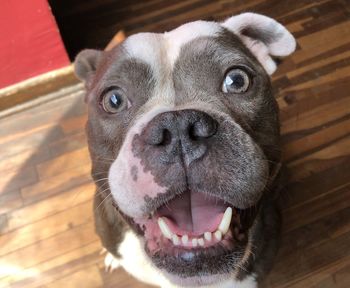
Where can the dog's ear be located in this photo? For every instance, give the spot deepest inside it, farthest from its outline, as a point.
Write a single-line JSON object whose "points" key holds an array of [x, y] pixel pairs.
{"points": [[265, 37], [86, 63]]}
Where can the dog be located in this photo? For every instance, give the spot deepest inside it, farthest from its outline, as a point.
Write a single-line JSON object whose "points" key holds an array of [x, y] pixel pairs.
{"points": [[183, 133]]}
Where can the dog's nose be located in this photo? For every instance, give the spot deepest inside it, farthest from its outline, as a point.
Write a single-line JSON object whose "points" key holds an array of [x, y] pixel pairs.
{"points": [[185, 133]]}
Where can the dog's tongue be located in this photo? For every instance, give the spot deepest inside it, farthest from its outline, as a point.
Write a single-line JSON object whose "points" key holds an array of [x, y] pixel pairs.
{"points": [[193, 213]]}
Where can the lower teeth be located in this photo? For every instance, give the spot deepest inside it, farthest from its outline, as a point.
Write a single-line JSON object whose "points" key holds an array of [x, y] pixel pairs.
{"points": [[207, 236]]}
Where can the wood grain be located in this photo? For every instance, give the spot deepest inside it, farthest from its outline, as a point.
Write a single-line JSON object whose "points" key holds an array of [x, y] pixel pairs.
{"points": [[47, 236]]}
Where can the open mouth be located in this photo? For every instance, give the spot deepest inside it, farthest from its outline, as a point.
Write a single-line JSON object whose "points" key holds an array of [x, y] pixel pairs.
{"points": [[197, 223], [197, 220]]}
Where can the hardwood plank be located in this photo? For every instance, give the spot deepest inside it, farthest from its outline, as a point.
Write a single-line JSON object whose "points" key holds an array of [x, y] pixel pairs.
{"points": [[46, 115], [317, 178], [35, 141], [10, 201], [339, 279], [40, 210], [315, 232], [46, 227], [58, 183], [321, 41], [47, 249], [309, 260], [337, 149], [74, 125], [68, 143], [338, 58], [69, 160], [89, 277], [328, 78], [22, 160], [312, 235], [320, 139], [315, 278], [55, 268], [16, 179], [318, 116], [320, 207]]}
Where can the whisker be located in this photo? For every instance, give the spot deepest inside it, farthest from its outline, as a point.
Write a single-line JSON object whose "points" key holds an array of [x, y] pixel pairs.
{"points": [[99, 173], [99, 189], [101, 192], [103, 185], [110, 194], [108, 159], [98, 180]]}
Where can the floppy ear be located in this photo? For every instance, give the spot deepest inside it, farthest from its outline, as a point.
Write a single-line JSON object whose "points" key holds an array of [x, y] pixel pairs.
{"points": [[265, 37], [86, 63]]}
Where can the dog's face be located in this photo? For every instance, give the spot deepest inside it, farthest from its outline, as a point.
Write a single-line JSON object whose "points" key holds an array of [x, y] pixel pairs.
{"points": [[186, 129]]}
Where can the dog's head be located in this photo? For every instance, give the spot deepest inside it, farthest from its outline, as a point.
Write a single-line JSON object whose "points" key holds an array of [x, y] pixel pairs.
{"points": [[185, 127]]}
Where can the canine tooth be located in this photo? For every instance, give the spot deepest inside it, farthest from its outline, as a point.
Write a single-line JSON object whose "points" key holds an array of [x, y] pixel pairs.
{"points": [[176, 240], [201, 242], [164, 228], [207, 236], [218, 235], [194, 242], [226, 221], [184, 239]]}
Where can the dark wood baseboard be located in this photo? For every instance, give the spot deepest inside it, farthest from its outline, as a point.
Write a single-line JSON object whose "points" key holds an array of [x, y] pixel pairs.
{"points": [[37, 87]]}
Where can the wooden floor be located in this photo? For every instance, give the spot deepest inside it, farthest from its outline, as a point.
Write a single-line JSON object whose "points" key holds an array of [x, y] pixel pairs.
{"points": [[46, 227]]}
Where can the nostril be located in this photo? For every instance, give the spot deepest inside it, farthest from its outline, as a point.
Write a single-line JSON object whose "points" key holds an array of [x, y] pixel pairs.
{"points": [[202, 129], [157, 135], [192, 133], [166, 138]]}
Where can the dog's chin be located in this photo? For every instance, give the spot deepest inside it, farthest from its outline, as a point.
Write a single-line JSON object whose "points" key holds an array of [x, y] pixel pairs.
{"points": [[195, 238]]}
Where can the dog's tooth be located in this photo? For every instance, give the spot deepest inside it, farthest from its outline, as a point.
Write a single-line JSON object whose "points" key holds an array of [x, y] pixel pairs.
{"points": [[225, 221], [218, 235], [176, 240], [194, 242], [207, 236], [201, 242], [164, 228], [184, 239]]}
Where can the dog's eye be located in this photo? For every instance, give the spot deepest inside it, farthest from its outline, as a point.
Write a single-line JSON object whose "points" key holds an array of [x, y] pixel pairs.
{"points": [[114, 101], [236, 81]]}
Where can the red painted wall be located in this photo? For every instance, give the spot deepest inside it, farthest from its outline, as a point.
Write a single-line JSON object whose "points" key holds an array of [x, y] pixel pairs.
{"points": [[30, 43]]}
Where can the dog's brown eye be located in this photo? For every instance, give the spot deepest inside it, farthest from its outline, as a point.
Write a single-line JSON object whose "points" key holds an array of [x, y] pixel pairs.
{"points": [[236, 81], [114, 101]]}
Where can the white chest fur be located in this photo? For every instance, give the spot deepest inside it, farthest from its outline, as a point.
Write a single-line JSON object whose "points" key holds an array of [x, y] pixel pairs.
{"points": [[135, 262]]}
